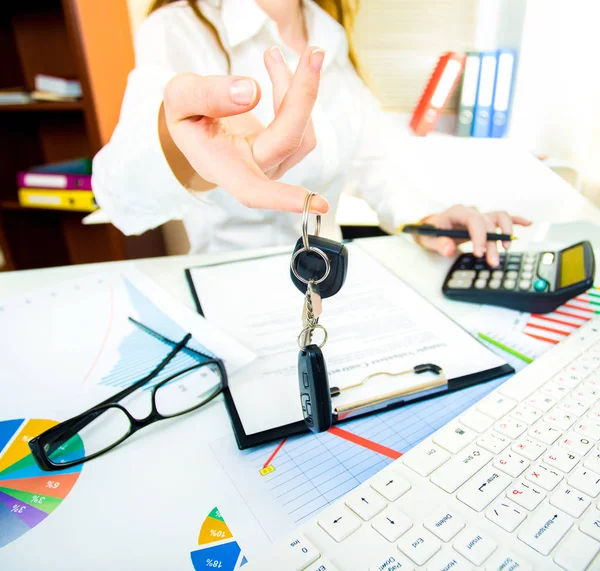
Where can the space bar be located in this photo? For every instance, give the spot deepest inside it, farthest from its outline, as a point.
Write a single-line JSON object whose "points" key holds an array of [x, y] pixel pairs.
{"points": [[459, 469]]}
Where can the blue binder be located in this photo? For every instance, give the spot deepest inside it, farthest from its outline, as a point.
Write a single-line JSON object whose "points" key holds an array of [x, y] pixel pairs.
{"points": [[505, 74], [482, 112]]}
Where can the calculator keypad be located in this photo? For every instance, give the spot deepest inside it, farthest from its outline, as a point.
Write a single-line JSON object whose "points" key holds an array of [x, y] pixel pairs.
{"points": [[515, 272]]}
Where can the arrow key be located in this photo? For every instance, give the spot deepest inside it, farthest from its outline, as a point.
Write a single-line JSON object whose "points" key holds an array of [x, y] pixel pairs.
{"points": [[338, 522], [391, 523], [365, 503], [389, 485]]}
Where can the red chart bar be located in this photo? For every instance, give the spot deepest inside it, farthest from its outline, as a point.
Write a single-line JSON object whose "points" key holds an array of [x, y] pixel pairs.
{"points": [[279, 446]]}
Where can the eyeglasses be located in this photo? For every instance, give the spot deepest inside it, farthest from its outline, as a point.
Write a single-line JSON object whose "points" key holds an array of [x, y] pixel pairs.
{"points": [[101, 428]]}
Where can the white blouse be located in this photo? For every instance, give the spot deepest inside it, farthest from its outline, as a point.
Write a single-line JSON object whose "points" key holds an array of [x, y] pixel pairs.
{"points": [[356, 149]]}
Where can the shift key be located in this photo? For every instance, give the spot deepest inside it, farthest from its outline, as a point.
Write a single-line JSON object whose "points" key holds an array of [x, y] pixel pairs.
{"points": [[460, 468]]}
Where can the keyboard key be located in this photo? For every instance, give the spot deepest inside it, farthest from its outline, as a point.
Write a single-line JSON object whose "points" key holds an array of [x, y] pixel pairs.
{"points": [[298, 552], [576, 551], [391, 523], [545, 433], [425, 459], [541, 401], [570, 500], [503, 561], [561, 459], [322, 565], [493, 442], [590, 524], [555, 390], [529, 448], [389, 484], [496, 406], [444, 523], [566, 379], [586, 394], [506, 514], [391, 561], [527, 414], [460, 468], [419, 545], [589, 428], [586, 481], [592, 461], [511, 463], [475, 545], [476, 420], [544, 529], [448, 559], [560, 418], [544, 476], [365, 502], [574, 406], [339, 522], [526, 495], [576, 443], [454, 437], [511, 427], [483, 488]]}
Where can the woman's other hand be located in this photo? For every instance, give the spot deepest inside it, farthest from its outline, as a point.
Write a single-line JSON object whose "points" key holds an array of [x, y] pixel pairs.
{"points": [[477, 223], [207, 118]]}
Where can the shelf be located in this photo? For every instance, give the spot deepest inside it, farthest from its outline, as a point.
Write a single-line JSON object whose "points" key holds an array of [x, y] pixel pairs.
{"points": [[42, 106]]}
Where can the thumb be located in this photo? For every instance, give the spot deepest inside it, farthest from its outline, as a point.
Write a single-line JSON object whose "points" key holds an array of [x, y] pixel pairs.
{"points": [[444, 246], [191, 95]]}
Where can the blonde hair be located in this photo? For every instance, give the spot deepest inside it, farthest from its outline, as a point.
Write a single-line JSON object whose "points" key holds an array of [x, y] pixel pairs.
{"points": [[343, 11]]}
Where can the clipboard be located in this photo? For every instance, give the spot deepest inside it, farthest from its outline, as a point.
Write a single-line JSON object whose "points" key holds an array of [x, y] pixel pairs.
{"points": [[248, 435]]}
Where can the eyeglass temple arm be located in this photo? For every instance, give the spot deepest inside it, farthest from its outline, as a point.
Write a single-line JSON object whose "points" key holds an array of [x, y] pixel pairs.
{"points": [[74, 425]]}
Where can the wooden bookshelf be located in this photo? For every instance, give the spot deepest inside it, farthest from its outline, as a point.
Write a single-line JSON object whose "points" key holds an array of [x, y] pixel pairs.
{"points": [[85, 39]]}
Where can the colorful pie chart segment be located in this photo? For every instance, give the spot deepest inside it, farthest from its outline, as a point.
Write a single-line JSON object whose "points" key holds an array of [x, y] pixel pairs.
{"points": [[28, 495], [218, 549]]}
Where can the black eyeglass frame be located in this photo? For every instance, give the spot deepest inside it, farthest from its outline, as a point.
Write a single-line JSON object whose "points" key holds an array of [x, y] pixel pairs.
{"points": [[50, 440]]}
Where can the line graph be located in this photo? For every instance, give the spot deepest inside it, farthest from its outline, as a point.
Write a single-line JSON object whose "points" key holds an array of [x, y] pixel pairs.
{"points": [[286, 483]]}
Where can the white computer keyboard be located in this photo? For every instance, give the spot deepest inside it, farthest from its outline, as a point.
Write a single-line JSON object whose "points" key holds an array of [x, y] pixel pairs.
{"points": [[511, 484]]}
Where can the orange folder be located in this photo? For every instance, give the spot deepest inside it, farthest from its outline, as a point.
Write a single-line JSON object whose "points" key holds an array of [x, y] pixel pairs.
{"points": [[437, 93]]}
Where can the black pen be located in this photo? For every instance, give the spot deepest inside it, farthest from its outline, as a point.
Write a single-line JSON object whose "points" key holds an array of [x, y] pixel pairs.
{"points": [[429, 230]]}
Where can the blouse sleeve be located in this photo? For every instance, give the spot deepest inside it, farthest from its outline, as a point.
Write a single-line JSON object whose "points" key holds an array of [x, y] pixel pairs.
{"points": [[386, 173], [132, 180]]}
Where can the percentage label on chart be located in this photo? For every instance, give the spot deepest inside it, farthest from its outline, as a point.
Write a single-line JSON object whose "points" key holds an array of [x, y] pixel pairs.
{"points": [[18, 509], [38, 499], [217, 533], [214, 563], [52, 485]]}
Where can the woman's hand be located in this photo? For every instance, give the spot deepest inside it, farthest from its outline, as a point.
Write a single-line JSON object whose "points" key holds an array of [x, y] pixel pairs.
{"points": [[477, 223], [208, 120]]}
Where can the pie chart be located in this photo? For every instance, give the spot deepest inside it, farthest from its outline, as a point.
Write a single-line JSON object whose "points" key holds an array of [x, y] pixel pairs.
{"points": [[28, 494], [218, 549]]}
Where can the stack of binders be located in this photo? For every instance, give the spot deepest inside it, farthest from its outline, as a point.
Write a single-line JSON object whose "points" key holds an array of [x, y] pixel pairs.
{"points": [[59, 186], [486, 94]]}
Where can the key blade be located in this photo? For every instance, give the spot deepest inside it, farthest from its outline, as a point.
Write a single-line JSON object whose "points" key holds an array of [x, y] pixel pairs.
{"points": [[315, 297]]}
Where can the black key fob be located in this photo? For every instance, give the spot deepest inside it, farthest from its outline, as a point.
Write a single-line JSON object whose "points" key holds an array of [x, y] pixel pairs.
{"points": [[315, 396], [310, 265]]}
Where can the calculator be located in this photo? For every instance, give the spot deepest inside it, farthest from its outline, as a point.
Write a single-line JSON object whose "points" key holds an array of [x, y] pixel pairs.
{"points": [[536, 282]]}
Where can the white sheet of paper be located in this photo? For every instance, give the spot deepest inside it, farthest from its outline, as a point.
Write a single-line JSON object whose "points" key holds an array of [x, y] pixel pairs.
{"points": [[376, 323]]}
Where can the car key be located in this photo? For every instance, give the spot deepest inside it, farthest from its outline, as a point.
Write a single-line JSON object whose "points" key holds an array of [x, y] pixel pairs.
{"points": [[315, 396], [324, 261]]}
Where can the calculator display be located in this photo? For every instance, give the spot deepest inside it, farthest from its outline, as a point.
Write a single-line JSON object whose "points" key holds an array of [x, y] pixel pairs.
{"points": [[572, 266]]}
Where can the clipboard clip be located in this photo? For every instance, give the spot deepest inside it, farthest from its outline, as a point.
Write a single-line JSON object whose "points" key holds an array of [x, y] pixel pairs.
{"points": [[438, 383]]}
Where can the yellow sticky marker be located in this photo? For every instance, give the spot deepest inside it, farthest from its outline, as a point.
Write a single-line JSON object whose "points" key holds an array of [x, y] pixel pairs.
{"points": [[264, 471]]}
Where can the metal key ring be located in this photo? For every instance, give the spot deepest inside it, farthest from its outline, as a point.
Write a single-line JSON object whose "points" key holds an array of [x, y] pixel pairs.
{"points": [[318, 251], [308, 328], [305, 210]]}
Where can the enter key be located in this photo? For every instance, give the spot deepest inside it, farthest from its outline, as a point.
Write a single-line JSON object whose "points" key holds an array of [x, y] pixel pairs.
{"points": [[483, 488]]}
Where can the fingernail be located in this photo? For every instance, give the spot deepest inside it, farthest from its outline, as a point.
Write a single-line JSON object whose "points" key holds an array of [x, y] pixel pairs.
{"points": [[318, 205], [277, 55], [243, 91], [316, 59], [448, 250]]}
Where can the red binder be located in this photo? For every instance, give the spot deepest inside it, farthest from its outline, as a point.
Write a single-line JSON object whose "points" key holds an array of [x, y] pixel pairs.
{"points": [[437, 93]]}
